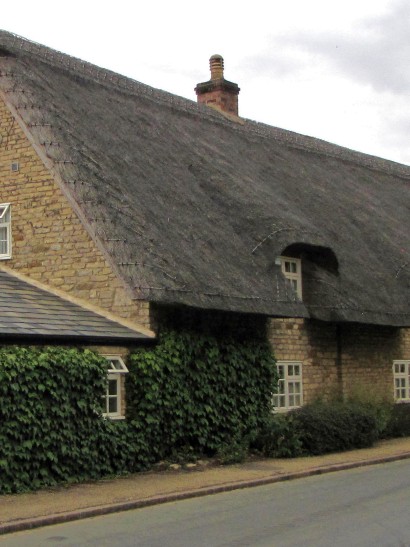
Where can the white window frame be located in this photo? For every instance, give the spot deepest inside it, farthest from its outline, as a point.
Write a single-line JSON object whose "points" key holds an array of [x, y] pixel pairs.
{"points": [[5, 224], [292, 270], [115, 376], [401, 381], [286, 396]]}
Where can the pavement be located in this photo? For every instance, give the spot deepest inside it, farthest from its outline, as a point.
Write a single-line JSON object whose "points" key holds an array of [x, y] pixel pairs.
{"points": [[67, 503]]}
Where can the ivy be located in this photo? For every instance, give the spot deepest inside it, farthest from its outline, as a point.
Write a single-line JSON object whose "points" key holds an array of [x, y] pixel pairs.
{"points": [[51, 425], [199, 391], [193, 393]]}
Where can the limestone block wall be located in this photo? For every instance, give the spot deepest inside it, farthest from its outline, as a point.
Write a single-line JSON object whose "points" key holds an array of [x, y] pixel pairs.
{"points": [[405, 343], [348, 359], [314, 345], [49, 242], [368, 355]]}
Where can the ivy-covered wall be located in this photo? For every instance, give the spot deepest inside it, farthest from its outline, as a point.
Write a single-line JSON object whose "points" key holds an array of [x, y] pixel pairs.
{"points": [[51, 427], [198, 390]]}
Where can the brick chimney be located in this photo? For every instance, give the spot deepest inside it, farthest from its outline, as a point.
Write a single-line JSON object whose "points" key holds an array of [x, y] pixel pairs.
{"points": [[218, 92]]}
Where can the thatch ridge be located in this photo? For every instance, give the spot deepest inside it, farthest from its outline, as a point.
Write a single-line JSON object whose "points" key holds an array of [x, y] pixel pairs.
{"points": [[88, 70]]}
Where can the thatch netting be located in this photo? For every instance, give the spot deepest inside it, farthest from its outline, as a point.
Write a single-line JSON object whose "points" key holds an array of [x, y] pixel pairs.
{"points": [[194, 208]]}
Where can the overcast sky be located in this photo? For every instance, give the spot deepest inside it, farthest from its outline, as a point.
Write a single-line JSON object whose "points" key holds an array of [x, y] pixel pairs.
{"points": [[336, 70]]}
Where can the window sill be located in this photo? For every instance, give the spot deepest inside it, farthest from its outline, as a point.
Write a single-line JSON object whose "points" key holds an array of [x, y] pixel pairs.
{"points": [[284, 410]]}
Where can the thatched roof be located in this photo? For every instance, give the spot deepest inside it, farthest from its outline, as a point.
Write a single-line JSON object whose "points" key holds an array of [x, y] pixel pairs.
{"points": [[29, 312], [193, 207]]}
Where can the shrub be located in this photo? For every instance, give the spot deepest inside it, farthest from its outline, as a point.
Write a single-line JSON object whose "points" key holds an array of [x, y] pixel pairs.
{"points": [[334, 427], [280, 437], [232, 452], [399, 423], [318, 428], [375, 401]]}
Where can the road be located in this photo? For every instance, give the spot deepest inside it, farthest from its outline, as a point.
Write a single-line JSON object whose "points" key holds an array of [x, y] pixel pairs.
{"points": [[365, 507]]}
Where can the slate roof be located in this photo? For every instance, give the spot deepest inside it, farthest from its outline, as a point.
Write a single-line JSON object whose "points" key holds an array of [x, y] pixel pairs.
{"points": [[29, 312], [193, 208]]}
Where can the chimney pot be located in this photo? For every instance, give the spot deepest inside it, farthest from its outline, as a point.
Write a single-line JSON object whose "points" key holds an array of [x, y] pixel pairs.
{"points": [[216, 64], [218, 92]]}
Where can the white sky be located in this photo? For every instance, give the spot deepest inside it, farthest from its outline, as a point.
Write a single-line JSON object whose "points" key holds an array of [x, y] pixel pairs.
{"points": [[337, 70]]}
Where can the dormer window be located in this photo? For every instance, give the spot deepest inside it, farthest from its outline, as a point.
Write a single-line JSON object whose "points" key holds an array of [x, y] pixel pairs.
{"points": [[5, 231], [292, 270]]}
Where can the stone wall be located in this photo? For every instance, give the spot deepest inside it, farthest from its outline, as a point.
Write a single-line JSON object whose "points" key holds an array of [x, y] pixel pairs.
{"points": [[314, 345], [368, 353], [350, 358]]}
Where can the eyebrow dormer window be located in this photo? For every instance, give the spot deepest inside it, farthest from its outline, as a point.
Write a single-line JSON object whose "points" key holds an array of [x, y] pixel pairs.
{"points": [[292, 270], [5, 231]]}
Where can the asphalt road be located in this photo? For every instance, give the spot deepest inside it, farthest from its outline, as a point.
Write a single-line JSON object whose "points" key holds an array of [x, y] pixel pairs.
{"points": [[367, 506]]}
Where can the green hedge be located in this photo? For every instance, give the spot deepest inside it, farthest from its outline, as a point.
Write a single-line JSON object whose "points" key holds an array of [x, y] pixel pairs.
{"points": [[318, 428], [51, 428], [199, 393], [336, 427], [399, 421]]}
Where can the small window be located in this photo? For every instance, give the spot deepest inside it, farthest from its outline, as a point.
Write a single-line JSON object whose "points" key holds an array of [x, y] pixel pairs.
{"points": [[114, 395], [401, 379], [5, 231], [292, 270], [290, 387]]}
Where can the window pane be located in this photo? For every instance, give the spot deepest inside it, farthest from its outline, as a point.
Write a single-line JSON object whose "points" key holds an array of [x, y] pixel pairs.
{"points": [[5, 213], [112, 387], [116, 364], [113, 405], [3, 240], [290, 387]]}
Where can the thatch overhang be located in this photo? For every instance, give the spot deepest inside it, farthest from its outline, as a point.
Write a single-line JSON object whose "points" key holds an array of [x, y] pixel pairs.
{"points": [[193, 208]]}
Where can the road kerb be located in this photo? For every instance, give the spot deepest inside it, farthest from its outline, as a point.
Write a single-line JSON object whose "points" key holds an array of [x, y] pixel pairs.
{"points": [[59, 518]]}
